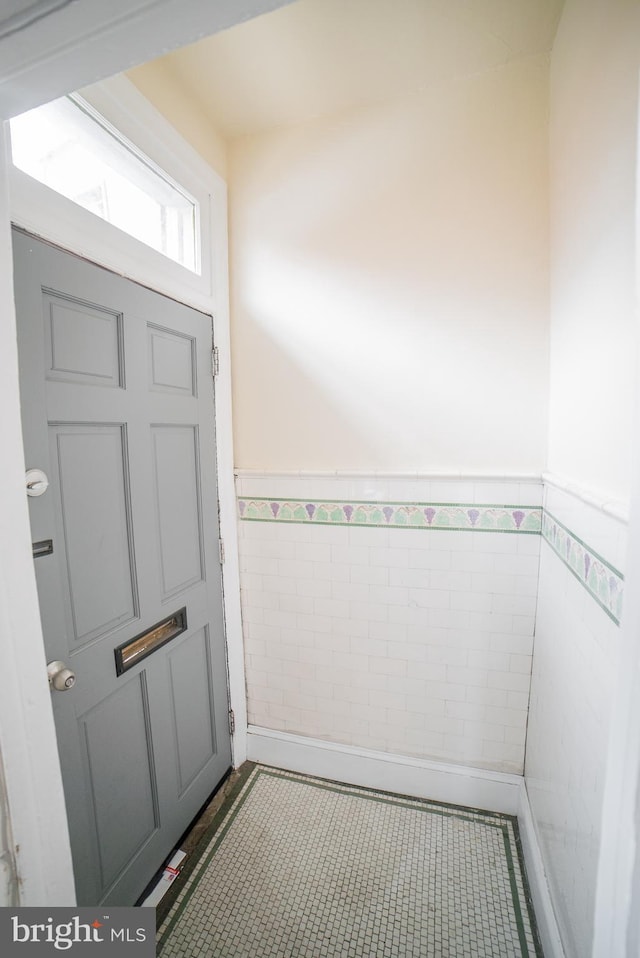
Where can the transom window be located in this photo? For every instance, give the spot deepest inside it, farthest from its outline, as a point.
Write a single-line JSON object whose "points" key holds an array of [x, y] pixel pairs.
{"points": [[69, 147]]}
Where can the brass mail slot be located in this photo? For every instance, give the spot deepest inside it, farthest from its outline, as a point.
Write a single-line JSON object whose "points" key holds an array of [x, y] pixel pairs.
{"points": [[135, 650]]}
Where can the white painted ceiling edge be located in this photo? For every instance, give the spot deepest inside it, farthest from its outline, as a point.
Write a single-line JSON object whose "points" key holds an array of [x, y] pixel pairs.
{"points": [[47, 49], [50, 48]]}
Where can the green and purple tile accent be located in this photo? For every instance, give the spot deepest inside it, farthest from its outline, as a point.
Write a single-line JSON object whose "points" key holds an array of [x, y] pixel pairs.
{"points": [[603, 582], [454, 517]]}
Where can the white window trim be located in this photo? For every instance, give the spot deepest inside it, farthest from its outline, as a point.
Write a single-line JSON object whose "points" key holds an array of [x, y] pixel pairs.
{"points": [[45, 212], [55, 218]]}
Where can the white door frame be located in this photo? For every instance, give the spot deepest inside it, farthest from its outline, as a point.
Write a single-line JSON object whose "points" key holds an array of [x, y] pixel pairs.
{"points": [[38, 834], [49, 56]]}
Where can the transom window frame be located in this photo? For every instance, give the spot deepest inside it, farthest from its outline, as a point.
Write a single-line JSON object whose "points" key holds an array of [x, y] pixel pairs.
{"points": [[46, 213], [71, 148]]}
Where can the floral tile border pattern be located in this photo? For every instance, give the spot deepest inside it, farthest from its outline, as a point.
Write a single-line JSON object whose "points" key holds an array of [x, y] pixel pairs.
{"points": [[396, 515], [604, 583]]}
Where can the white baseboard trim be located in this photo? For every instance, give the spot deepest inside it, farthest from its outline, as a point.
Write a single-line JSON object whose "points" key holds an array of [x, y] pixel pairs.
{"points": [[455, 784], [536, 875]]}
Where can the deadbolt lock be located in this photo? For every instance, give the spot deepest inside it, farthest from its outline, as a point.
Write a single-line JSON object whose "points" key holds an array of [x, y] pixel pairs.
{"points": [[61, 677], [37, 482]]}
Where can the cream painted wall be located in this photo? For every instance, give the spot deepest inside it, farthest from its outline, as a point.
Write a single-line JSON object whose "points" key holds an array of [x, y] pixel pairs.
{"points": [[389, 283], [594, 118], [156, 82]]}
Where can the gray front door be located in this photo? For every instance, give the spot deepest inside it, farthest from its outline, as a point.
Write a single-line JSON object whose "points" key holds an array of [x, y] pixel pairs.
{"points": [[118, 410]]}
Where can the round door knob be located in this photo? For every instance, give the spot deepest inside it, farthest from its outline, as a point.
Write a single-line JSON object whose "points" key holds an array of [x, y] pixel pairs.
{"points": [[37, 482], [61, 677]]}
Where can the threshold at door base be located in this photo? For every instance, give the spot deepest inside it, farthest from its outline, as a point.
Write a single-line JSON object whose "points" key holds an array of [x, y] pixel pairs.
{"points": [[168, 876]]}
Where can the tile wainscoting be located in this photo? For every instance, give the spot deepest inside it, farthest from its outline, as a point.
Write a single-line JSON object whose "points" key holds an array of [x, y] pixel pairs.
{"points": [[392, 614], [397, 613], [576, 644], [601, 580], [389, 624]]}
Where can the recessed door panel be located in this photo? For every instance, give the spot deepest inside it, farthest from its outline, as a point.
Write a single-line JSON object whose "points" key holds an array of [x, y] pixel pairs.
{"points": [[171, 361], [192, 705], [175, 458], [84, 342], [96, 523], [117, 737]]}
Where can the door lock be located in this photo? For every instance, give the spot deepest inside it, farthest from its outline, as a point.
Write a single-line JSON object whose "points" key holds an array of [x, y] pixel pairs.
{"points": [[37, 482], [61, 677]]}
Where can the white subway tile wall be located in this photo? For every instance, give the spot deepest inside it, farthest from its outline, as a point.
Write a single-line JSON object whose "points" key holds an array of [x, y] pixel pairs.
{"points": [[411, 641], [574, 664]]}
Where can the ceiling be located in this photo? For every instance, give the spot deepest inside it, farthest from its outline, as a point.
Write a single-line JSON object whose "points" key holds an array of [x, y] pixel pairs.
{"points": [[320, 57]]}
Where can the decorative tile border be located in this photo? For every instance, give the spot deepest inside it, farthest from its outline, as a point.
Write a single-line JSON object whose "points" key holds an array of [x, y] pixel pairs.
{"points": [[604, 583], [395, 515]]}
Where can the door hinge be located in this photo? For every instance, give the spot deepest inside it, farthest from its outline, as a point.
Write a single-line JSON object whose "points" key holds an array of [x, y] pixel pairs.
{"points": [[215, 361], [232, 722], [221, 550]]}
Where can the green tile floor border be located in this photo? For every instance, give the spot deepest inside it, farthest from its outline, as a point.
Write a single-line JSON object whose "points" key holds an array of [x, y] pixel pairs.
{"points": [[603, 582], [187, 884], [451, 516], [167, 902]]}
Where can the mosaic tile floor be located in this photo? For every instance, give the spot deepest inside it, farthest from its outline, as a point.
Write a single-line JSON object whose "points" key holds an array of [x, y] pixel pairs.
{"points": [[298, 867]]}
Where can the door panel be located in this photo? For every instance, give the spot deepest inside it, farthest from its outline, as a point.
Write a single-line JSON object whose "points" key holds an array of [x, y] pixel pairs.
{"points": [[118, 409], [175, 463], [171, 361], [191, 703], [98, 543], [84, 342], [117, 735]]}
